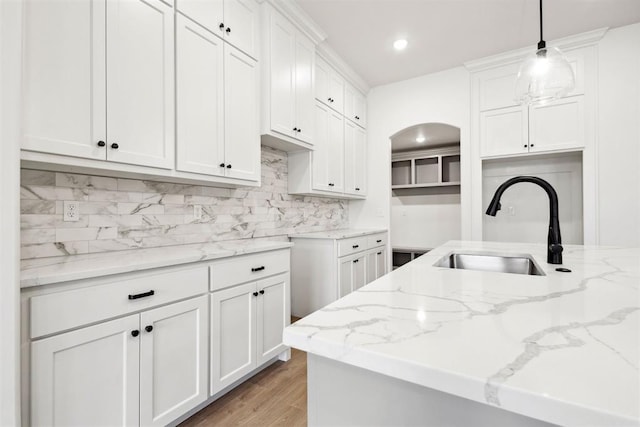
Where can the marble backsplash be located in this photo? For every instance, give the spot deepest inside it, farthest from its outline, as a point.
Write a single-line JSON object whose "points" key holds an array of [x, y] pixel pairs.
{"points": [[119, 214]]}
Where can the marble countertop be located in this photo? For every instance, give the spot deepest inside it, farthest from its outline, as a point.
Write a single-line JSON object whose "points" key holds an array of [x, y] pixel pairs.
{"points": [[563, 348], [338, 234], [43, 271]]}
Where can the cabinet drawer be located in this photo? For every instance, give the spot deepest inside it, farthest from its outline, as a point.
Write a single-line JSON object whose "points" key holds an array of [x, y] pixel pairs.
{"points": [[245, 268], [60, 311], [351, 246], [376, 240]]}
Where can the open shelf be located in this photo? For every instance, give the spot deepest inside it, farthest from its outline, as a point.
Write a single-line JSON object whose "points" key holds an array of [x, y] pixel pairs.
{"points": [[401, 172], [426, 169]]}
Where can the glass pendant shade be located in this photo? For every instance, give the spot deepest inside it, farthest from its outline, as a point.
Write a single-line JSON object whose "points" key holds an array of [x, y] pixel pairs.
{"points": [[544, 75]]}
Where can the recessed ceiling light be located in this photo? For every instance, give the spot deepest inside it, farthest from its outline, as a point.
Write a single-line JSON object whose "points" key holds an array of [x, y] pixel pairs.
{"points": [[400, 44], [421, 139]]}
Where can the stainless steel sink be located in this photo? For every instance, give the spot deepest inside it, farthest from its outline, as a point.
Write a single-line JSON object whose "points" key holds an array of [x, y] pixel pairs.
{"points": [[516, 264]]}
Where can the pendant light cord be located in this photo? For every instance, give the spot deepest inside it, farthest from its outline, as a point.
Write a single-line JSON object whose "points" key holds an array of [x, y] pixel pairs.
{"points": [[541, 43]]}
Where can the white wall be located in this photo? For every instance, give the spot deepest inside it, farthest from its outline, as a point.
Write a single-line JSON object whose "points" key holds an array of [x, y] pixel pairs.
{"points": [[619, 137], [441, 98], [10, 19]]}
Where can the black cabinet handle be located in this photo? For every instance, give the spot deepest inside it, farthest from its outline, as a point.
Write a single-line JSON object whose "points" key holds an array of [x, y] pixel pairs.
{"points": [[115, 146], [357, 188], [228, 30], [331, 184], [228, 166], [142, 295], [221, 26], [295, 129], [222, 165], [378, 241], [357, 118], [262, 292], [355, 246], [299, 130], [355, 260], [379, 253], [135, 333], [255, 294], [148, 328], [254, 269], [101, 143]]}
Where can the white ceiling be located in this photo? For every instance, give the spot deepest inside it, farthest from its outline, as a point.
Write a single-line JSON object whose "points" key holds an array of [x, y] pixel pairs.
{"points": [[446, 33]]}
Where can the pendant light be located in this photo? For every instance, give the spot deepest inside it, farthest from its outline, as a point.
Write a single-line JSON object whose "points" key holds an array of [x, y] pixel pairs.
{"points": [[544, 75]]}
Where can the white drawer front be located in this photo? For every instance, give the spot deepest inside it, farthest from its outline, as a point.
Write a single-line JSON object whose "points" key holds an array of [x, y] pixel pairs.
{"points": [[351, 246], [245, 268], [376, 240], [60, 311]]}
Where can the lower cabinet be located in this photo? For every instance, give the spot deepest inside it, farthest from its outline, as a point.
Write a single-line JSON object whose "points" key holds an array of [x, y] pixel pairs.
{"points": [[352, 274], [146, 368], [247, 321], [376, 264]]}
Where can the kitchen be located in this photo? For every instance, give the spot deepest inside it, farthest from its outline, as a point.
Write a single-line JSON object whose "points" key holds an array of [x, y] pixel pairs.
{"points": [[109, 189]]}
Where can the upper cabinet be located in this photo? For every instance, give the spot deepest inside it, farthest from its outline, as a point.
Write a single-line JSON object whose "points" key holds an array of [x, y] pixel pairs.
{"points": [[236, 21], [507, 129], [355, 155], [287, 83], [355, 106], [217, 116], [113, 75], [330, 86]]}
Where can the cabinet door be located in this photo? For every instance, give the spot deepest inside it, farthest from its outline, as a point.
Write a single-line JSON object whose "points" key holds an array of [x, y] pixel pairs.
{"points": [[336, 91], [64, 77], [322, 71], [200, 99], [376, 264], [360, 109], [355, 159], [557, 125], [140, 82], [282, 66], [241, 131], [208, 13], [241, 25], [320, 155], [273, 316], [336, 151], [345, 278], [305, 52], [359, 272], [87, 377], [504, 132], [233, 335], [173, 360]]}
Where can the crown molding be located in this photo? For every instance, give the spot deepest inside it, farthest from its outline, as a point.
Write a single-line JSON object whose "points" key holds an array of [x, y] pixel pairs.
{"points": [[566, 44], [299, 18], [330, 55]]}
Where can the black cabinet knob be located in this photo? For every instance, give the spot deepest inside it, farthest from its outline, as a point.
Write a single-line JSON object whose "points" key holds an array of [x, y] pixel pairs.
{"points": [[228, 30], [530, 145], [255, 294], [135, 333], [357, 189], [379, 241], [115, 146], [331, 184], [148, 328], [228, 166], [525, 145], [295, 129], [222, 165], [357, 118], [221, 26], [299, 130], [262, 292], [355, 260], [101, 143]]}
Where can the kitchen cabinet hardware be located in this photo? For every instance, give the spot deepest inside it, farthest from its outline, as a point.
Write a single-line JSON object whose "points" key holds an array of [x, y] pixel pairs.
{"points": [[356, 260], [530, 145], [257, 268], [101, 143], [355, 246], [142, 295], [222, 165], [228, 166], [295, 129], [379, 253], [115, 146], [221, 26], [299, 130], [255, 294], [228, 30], [135, 333], [357, 188], [331, 184], [357, 118], [148, 328], [379, 241], [526, 145], [261, 291]]}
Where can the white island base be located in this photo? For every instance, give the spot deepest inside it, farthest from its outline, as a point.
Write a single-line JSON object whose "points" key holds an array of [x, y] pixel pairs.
{"points": [[344, 395]]}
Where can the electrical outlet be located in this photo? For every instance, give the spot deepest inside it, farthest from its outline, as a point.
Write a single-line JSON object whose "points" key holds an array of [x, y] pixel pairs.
{"points": [[71, 211], [197, 211]]}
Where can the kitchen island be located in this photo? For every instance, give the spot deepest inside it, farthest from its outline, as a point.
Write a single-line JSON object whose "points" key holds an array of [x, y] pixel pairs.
{"points": [[428, 345]]}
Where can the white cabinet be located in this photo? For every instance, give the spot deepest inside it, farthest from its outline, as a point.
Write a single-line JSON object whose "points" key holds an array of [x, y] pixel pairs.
{"points": [[355, 158], [146, 368], [330, 86], [246, 328], [109, 71], [355, 106], [236, 21], [557, 125], [288, 81], [324, 268], [331, 136], [217, 116], [88, 376]]}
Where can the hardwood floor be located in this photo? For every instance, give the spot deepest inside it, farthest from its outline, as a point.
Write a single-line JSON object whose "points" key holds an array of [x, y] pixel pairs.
{"points": [[275, 396]]}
